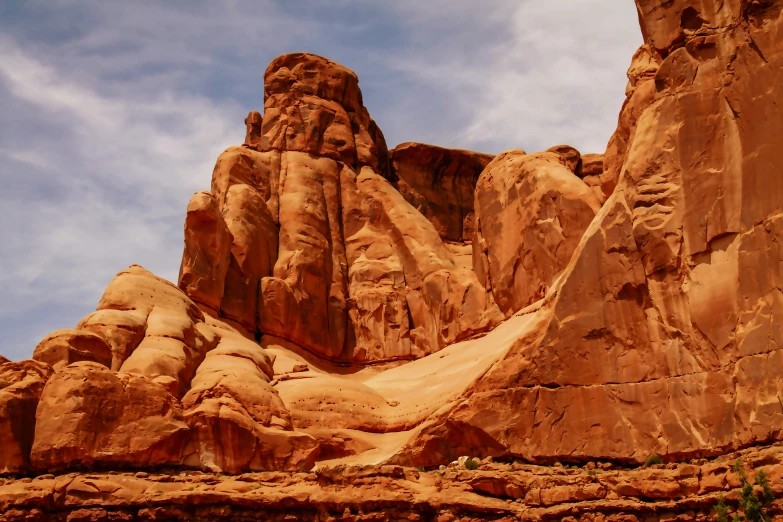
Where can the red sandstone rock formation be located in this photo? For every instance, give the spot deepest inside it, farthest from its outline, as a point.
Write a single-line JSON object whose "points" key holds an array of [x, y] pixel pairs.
{"points": [[660, 336], [330, 310], [21, 385], [440, 184], [302, 237], [531, 212], [494, 491]]}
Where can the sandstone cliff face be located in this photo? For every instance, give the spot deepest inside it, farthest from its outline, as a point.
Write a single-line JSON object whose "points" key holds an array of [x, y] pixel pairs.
{"points": [[339, 304], [440, 184], [531, 212], [303, 237], [661, 334]]}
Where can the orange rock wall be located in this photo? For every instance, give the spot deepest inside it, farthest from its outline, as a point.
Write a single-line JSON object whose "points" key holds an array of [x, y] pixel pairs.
{"points": [[661, 336]]}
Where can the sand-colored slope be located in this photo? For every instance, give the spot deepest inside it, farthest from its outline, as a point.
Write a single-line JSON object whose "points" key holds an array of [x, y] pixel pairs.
{"points": [[373, 411]]}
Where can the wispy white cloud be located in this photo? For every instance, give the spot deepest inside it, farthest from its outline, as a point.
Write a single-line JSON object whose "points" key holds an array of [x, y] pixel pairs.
{"points": [[540, 74], [115, 181]]}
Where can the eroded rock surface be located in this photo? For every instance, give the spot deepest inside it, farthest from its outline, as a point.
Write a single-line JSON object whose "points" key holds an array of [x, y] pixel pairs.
{"points": [[21, 385], [303, 237], [440, 184], [531, 212], [659, 336], [493, 491], [339, 305]]}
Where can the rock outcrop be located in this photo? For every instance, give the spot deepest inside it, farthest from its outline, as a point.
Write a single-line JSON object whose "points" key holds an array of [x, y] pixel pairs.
{"points": [[660, 335], [21, 385], [493, 491], [63, 347], [191, 391], [303, 237], [340, 305], [440, 183], [531, 212]]}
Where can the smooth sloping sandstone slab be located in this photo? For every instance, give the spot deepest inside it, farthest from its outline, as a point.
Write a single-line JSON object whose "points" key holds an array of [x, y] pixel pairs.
{"points": [[63, 347], [395, 399], [531, 213], [21, 384], [440, 183]]}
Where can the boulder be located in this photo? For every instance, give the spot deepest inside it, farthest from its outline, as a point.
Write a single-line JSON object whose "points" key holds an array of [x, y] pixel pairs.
{"points": [[21, 384], [531, 214], [90, 415], [569, 157], [63, 347]]}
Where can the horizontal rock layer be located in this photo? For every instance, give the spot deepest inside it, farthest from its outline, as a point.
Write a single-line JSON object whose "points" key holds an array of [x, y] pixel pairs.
{"points": [[495, 491]]}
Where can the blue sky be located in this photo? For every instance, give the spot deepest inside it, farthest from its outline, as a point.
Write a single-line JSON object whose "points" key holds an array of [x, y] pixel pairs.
{"points": [[113, 112]]}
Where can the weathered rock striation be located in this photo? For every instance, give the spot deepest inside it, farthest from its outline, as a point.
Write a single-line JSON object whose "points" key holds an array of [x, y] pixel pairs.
{"points": [[494, 491], [303, 237], [440, 183], [341, 305], [660, 336]]}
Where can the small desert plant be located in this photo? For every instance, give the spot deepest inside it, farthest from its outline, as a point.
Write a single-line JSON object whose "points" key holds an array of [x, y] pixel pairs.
{"points": [[471, 464], [722, 510], [751, 505], [652, 460]]}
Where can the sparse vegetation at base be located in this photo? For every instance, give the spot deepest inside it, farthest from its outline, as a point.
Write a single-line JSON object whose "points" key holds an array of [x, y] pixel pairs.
{"points": [[652, 460], [752, 506]]}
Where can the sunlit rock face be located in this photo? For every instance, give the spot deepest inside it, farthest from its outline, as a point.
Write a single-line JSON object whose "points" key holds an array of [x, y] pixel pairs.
{"points": [[662, 334], [305, 236], [340, 303]]}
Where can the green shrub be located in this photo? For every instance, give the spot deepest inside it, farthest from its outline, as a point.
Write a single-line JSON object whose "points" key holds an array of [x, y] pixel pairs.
{"points": [[471, 464], [752, 506], [722, 510], [652, 460]]}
